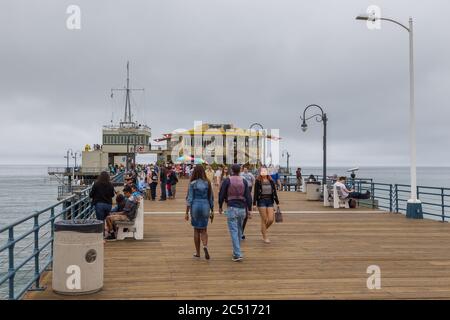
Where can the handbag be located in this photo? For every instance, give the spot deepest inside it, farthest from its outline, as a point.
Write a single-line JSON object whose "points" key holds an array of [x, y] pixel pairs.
{"points": [[278, 216]]}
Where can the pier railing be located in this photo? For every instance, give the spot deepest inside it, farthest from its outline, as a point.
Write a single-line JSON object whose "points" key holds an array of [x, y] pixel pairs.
{"points": [[76, 170], [391, 197], [26, 246]]}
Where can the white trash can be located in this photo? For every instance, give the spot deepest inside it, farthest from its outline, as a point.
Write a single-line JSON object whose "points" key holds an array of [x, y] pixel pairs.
{"points": [[78, 257], [313, 191]]}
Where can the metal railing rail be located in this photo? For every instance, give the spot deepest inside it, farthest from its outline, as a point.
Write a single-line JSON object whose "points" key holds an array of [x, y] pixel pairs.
{"points": [[37, 231], [393, 197]]}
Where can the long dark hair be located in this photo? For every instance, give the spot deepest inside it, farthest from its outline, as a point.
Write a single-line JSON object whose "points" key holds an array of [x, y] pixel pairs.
{"points": [[199, 173], [223, 172], [260, 177], [103, 178]]}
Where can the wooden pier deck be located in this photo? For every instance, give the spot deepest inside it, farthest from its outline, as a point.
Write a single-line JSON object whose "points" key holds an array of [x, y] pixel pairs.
{"points": [[316, 253]]}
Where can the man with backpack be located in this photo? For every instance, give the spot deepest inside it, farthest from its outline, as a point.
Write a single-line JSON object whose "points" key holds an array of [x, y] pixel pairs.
{"points": [[236, 193], [171, 182]]}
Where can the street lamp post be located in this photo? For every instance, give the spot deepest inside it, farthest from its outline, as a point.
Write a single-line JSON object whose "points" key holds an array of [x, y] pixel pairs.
{"points": [[414, 206], [257, 140], [69, 153], [67, 156], [74, 156], [320, 117], [288, 155]]}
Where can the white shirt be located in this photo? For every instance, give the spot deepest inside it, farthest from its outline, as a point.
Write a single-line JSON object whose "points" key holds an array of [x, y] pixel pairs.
{"points": [[343, 188]]}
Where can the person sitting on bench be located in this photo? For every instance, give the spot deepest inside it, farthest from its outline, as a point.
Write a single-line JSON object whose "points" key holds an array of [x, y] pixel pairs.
{"points": [[120, 203], [127, 214], [350, 194]]}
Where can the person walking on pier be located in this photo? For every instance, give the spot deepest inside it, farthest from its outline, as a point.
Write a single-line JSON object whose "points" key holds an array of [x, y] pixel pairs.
{"points": [[102, 193], [264, 198], [200, 204], [235, 192], [210, 174], [224, 175], [153, 180], [299, 177], [172, 181], [163, 182], [250, 178]]}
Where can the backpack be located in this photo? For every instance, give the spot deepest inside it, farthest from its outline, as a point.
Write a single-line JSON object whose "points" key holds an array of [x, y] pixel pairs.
{"points": [[133, 208], [236, 189], [173, 178]]}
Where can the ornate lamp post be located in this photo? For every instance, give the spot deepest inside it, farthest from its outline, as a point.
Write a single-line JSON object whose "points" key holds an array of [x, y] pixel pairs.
{"points": [[320, 117]]}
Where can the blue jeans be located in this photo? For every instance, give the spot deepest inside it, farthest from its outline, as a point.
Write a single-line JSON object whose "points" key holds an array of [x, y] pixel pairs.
{"points": [[235, 219], [163, 191], [102, 210], [153, 189]]}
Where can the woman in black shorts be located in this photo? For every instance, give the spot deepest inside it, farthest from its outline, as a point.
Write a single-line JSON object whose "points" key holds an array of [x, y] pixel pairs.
{"points": [[264, 198]]}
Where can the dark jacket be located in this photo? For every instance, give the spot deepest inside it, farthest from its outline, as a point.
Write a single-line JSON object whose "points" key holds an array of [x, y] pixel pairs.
{"points": [[163, 175], [102, 193], [258, 192], [172, 178], [223, 194]]}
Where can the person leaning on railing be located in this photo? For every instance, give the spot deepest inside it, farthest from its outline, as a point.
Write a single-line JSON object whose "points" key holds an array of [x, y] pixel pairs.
{"points": [[102, 193]]}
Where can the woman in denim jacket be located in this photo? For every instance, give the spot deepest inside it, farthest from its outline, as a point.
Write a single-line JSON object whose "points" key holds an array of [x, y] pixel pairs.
{"points": [[200, 203]]}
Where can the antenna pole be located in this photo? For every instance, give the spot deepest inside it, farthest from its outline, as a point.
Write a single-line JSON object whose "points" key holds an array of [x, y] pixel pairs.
{"points": [[127, 116]]}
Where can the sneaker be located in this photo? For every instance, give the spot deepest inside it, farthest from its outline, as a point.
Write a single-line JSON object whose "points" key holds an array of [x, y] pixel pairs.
{"points": [[207, 257], [195, 256], [236, 259], [266, 240], [111, 237]]}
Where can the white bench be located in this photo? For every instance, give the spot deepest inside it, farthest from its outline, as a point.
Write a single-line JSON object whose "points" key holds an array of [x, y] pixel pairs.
{"points": [[135, 228], [338, 200]]}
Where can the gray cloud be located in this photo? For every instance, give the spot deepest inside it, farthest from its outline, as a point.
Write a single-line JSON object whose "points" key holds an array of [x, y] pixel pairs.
{"points": [[237, 61]]}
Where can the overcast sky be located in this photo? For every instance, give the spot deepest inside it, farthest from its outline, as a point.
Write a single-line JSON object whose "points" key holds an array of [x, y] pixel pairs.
{"points": [[226, 61]]}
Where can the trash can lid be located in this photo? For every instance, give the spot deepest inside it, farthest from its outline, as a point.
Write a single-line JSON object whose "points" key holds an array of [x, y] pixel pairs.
{"points": [[79, 225]]}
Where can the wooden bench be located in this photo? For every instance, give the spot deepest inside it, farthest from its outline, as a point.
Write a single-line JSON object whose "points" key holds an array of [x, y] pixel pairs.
{"points": [[134, 229]]}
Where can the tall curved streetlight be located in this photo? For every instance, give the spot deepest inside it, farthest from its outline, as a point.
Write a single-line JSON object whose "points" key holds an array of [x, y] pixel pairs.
{"points": [[256, 124], [414, 206], [320, 117]]}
